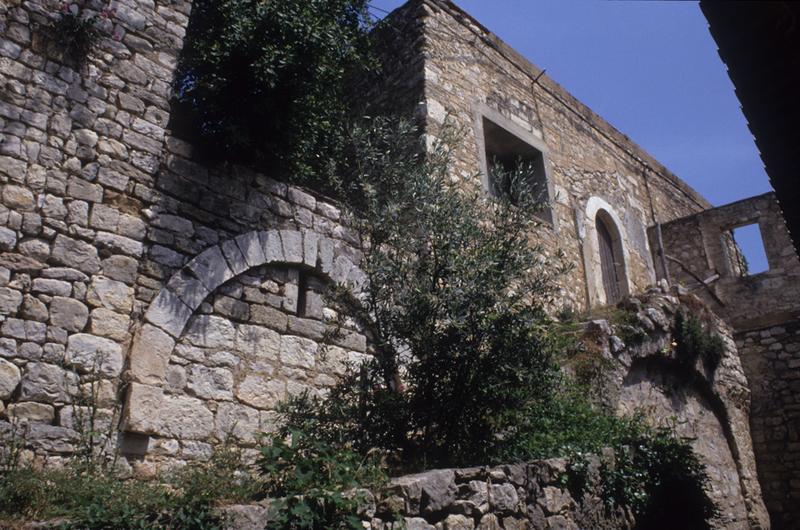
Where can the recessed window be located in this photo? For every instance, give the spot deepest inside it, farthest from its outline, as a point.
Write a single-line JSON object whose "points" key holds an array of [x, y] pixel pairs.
{"points": [[749, 256], [507, 153]]}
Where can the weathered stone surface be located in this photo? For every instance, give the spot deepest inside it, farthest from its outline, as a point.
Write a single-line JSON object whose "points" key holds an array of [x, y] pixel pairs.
{"points": [[10, 300], [297, 351], [237, 422], [245, 516], [110, 294], [149, 355], [120, 268], [489, 522], [209, 331], [29, 411], [68, 314], [9, 378], [211, 268], [250, 245], [503, 498], [91, 354], [272, 246], [210, 383], [47, 383], [107, 323], [258, 342], [418, 523], [292, 243], [169, 313], [260, 391], [458, 522], [78, 254]]}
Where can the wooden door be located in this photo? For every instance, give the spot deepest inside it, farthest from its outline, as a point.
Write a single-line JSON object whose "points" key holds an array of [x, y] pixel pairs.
{"points": [[608, 263]]}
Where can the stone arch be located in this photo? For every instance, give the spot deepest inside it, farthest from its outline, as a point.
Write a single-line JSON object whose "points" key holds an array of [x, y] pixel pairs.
{"points": [[170, 311], [598, 210]]}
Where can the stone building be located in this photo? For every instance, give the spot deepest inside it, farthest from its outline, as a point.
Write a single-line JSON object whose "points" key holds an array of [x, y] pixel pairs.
{"points": [[185, 299]]}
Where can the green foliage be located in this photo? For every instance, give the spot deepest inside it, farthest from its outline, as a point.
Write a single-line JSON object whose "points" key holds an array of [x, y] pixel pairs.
{"points": [[97, 497], [316, 484], [455, 303], [263, 82], [659, 477], [76, 29], [694, 341]]}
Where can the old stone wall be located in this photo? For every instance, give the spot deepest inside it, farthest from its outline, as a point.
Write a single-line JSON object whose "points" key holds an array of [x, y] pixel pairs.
{"points": [[512, 497], [763, 310], [641, 372], [469, 74], [771, 360], [176, 303], [701, 255], [136, 284]]}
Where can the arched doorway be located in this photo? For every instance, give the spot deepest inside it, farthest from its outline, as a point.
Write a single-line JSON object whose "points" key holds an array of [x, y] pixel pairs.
{"points": [[611, 260]]}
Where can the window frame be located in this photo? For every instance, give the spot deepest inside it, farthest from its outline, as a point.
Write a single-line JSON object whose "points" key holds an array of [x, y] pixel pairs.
{"points": [[529, 137]]}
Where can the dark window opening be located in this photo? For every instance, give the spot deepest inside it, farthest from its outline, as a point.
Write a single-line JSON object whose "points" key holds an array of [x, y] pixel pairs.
{"points": [[302, 294], [749, 255], [506, 154]]}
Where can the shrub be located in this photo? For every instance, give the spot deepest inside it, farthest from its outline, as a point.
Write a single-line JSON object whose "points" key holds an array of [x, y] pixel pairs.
{"points": [[263, 82], [98, 497], [693, 341], [315, 483]]}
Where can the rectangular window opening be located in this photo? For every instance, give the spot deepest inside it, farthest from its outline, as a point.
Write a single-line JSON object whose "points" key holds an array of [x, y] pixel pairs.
{"points": [[749, 251], [505, 154]]}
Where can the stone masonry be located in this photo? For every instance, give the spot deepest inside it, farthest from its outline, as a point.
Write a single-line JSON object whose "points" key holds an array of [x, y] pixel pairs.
{"points": [[185, 300], [763, 310]]}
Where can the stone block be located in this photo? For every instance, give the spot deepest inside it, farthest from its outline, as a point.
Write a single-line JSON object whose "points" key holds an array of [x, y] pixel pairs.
{"points": [[250, 245], [326, 255], [68, 313], [458, 522], [503, 498], [47, 383], [234, 257], [232, 308], [258, 342], [107, 323], [150, 354], [77, 254], [110, 294], [143, 405], [188, 288], [298, 352], [30, 411], [120, 268], [310, 248], [209, 383], [51, 287], [8, 238], [273, 248], [211, 268], [208, 331], [18, 198], [119, 244], [10, 300], [168, 312], [260, 391], [10, 377], [268, 316], [94, 355], [292, 243]]}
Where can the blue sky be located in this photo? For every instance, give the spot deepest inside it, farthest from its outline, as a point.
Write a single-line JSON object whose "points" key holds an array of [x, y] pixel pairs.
{"points": [[652, 70]]}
